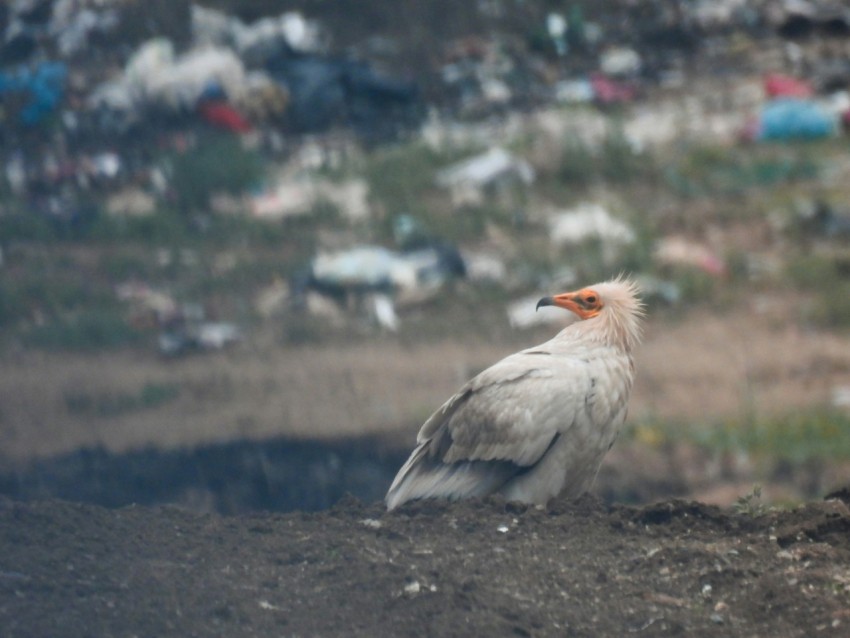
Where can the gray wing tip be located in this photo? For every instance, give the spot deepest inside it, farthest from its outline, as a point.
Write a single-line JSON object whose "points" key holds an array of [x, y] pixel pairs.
{"points": [[451, 481]]}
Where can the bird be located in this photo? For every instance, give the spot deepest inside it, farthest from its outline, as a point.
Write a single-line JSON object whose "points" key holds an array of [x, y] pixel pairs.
{"points": [[538, 423]]}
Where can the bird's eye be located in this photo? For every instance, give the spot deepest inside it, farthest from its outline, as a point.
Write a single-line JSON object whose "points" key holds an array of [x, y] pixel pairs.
{"points": [[590, 299]]}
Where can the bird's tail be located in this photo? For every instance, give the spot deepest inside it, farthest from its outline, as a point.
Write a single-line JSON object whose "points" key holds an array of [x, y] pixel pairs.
{"points": [[421, 477]]}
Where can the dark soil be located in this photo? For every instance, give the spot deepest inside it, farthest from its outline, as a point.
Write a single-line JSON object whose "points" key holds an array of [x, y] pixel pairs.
{"points": [[480, 568]]}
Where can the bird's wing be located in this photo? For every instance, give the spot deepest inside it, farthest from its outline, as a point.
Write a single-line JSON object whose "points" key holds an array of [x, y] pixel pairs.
{"points": [[501, 423]]}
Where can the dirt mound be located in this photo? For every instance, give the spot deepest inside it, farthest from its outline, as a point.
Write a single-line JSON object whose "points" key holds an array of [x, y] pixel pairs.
{"points": [[428, 569]]}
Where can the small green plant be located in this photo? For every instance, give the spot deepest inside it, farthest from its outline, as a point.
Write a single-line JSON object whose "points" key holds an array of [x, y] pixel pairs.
{"points": [[751, 503]]}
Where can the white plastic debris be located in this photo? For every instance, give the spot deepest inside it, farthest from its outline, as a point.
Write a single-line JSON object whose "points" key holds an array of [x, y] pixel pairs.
{"points": [[363, 266], [72, 24], [620, 61], [156, 75], [179, 84], [371, 523], [380, 268], [210, 26], [468, 179], [296, 197], [574, 91], [217, 335], [484, 266], [841, 396], [486, 168], [589, 221], [384, 311]]}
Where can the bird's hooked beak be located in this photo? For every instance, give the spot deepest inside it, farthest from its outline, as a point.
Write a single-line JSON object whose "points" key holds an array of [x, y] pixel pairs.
{"points": [[575, 302]]}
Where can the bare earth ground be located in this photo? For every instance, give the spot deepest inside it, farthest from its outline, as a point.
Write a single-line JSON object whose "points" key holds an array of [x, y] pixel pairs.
{"points": [[673, 568], [466, 569]]}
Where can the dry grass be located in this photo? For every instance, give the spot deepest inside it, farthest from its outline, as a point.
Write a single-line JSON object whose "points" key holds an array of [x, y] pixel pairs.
{"points": [[703, 368]]}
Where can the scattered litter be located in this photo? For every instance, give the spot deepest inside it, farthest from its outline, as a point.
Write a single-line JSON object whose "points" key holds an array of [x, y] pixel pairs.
{"points": [[620, 62], [363, 267], [777, 85], [412, 588], [484, 266], [133, 202], [222, 115], [678, 251], [789, 118], [216, 335], [259, 40], [589, 221], [379, 269], [841, 396], [819, 218], [801, 18], [574, 91], [40, 90], [384, 311], [296, 197], [608, 91], [371, 523], [201, 336], [72, 26], [470, 179], [150, 307], [326, 92]]}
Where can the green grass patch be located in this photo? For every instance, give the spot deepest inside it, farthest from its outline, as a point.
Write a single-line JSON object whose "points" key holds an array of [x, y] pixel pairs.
{"points": [[797, 438], [825, 280], [613, 161], [219, 163], [709, 171], [90, 329]]}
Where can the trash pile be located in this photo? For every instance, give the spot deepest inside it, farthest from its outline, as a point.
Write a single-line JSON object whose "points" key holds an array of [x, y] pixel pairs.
{"points": [[78, 82], [90, 107], [98, 112]]}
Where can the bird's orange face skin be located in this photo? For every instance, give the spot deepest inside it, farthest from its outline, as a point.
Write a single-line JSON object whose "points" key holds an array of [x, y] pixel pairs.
{"points": [[585, 302]]}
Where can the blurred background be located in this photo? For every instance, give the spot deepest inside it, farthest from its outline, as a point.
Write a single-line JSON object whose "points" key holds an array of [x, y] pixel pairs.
{"points": [[247, 247]]}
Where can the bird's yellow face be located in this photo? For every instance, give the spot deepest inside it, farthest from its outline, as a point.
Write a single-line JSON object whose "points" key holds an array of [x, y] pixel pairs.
{"points": [[586, 303]]}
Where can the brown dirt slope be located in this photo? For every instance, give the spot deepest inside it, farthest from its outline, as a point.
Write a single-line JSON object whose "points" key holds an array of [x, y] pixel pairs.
{"points": [[430, 569]]}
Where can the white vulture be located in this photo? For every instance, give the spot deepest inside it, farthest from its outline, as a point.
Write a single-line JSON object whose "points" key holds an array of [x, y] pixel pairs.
{"points": [[537, 423]]}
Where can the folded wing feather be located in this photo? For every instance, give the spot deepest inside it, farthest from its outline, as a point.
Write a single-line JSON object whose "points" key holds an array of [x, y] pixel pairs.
{"points": [[499, 425]]}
